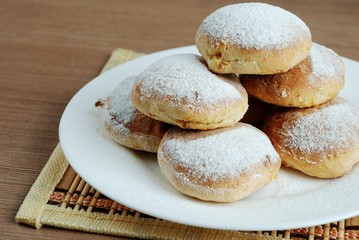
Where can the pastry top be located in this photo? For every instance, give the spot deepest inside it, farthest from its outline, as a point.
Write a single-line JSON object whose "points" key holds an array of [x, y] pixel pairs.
{"points": [[328, 129], [217, 154], [186, 79], [254, 26], [324, 64]]}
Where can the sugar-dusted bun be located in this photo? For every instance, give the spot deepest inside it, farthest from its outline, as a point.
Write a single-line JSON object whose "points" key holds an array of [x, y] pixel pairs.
{"points": [[253, 38], [128, 126], [316, 80], [180, 90], [321, 141], [221, 165]]}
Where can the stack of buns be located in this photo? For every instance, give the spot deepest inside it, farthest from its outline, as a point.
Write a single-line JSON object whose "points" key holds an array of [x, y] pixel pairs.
{"points": [[191, 109]]}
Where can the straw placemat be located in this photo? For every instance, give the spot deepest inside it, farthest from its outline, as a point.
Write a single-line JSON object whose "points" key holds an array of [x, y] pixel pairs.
{"points": [[60, 198]]}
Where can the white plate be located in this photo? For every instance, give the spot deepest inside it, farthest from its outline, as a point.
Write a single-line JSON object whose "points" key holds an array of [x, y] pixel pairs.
{"points": [[134, 179]]}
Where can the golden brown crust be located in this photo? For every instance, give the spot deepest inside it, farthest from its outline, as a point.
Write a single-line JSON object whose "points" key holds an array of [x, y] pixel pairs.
{"points": [[223, 191], [298, 87], [145, 125], [224, 57], [226, 113], [328, 152]]}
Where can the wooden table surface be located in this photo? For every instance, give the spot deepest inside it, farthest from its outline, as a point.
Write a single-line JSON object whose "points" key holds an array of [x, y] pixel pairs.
{"points": [[50, 49]]}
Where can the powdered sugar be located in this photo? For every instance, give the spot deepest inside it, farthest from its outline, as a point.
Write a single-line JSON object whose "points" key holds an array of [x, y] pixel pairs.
{"points": [[332, 128], [185, 78], [325, 63], [119, 109], [220, 155], [254, 25]]}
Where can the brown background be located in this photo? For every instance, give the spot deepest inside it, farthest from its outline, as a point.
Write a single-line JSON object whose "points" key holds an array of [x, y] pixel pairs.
{"points": [[50, 49]]}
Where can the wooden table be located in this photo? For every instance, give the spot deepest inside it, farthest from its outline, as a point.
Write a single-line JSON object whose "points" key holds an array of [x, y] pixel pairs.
{"points": [[50, 49]]}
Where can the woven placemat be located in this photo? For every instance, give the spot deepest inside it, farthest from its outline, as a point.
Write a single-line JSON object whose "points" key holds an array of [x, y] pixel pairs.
{"points": [[60, 198]]}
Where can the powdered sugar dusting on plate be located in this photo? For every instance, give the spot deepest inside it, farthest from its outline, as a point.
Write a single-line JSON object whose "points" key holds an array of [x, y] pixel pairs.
{"points": [[221, 155], [254, 25], [184, 77], [334, 127], [119, 109], [325, 63]]}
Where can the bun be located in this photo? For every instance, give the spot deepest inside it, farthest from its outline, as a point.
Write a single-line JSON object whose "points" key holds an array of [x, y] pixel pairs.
{"points": [[253, 38], [321, 141], [180, 90], [221, 165], [314, 81]]}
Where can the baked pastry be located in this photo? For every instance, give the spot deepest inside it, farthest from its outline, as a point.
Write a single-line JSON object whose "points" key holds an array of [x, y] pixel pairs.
{"points": [[128, 126], [253, 38], [221, 165], [312, 82], [321, 141], [180, 90]]}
